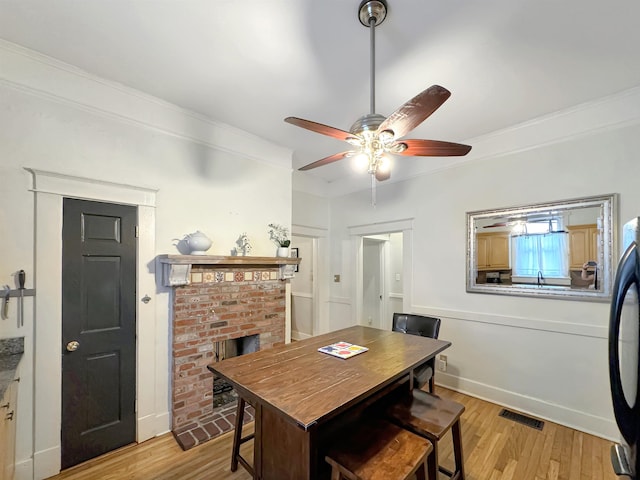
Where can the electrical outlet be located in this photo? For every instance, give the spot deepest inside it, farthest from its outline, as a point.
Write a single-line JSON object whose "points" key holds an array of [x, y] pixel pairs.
{"points": [[442, 363]]}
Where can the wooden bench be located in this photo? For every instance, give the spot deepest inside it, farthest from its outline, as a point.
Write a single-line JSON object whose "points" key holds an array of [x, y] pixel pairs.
{"points": [[378, 450], [430, 417]]}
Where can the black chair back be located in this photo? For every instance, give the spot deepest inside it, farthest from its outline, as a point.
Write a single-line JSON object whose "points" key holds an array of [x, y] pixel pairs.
{"points": [[416, 324], [423, 326]]}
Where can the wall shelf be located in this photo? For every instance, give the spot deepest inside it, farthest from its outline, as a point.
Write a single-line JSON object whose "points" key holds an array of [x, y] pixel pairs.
{"points": [[177, 268]]}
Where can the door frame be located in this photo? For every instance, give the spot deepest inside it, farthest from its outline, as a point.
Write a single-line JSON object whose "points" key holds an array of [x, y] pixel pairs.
{"points": [[356, 233], [320, 271], [382, 245], [151, 369]]}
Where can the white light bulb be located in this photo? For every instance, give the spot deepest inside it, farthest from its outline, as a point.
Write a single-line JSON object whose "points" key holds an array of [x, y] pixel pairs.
{"points": [[384, 165], [360, 162]]}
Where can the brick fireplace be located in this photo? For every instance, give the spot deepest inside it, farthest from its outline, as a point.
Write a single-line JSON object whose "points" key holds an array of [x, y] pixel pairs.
{"points": [[216, 300]]}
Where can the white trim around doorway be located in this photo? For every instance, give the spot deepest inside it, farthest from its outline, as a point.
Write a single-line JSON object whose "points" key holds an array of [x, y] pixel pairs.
{"points": [[356, 233], [50, 188]]}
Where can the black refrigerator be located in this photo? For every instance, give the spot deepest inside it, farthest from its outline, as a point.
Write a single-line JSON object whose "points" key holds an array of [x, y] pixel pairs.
{"points": [[624, 360]]}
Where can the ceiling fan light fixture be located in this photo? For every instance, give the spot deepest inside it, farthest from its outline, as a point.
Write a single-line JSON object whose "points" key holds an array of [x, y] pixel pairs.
{"points": [[386, 138], [355, 141], [384, 164], [361, 162], [397, 147]]}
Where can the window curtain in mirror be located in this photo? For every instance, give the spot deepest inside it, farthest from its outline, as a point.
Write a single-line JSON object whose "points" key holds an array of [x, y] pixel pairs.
{"points": [[536, 253]]}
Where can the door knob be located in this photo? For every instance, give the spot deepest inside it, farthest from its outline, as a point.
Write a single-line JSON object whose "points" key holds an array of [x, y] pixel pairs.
{"points": [[72, 346]]}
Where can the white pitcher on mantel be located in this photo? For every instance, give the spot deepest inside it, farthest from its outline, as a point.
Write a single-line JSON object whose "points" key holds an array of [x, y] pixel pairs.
{"points": [[198, 243]]}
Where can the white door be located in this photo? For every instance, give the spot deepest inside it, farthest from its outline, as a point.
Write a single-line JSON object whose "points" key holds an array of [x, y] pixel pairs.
{"points": [[302, 289]]}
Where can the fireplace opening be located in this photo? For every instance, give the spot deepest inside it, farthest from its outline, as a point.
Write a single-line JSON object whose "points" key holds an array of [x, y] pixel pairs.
{"points": [[236, 346], [223, 392]]}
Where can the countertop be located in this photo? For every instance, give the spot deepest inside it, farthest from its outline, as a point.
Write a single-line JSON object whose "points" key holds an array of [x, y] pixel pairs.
{"points": [[11, 351]]}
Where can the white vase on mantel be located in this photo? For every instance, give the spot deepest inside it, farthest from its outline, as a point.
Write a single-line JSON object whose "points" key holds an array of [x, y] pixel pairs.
{"points": [[198, 243], [282, 252]]}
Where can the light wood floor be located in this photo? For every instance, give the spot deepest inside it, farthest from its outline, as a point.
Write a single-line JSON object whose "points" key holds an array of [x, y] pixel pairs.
{"points": [[494, 449]]}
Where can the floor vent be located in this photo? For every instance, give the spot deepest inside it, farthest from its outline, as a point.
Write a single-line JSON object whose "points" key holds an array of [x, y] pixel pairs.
{"points": [[523, 419]]}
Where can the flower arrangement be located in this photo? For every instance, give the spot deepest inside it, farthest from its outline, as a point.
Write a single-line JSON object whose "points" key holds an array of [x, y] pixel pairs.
{"points": [[279, 234]]}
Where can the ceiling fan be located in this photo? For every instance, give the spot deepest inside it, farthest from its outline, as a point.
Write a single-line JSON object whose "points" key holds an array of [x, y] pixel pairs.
{"points": [[373, 136]]}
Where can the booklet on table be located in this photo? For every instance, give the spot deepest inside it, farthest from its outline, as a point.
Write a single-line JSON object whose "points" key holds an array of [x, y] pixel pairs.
{"points": [[343, 349]]}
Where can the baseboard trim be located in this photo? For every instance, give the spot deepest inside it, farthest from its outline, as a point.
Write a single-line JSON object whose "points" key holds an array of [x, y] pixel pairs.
{"points": [[46, 463], [296, 335], [584, 422], [24, 470], [163, 423], [146, 428]]}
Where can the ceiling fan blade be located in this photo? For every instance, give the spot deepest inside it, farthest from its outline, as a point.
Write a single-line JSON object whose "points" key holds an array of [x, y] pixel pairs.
{"points": [[433, 148], [499, 224], [415, 111], [319, 128], [325, 161], [382, 176]]}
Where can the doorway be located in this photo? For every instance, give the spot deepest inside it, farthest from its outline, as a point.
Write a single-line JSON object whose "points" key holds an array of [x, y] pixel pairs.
{"points": [[382, 279], [382, 254], [373, 274], [98, 329], [303, 311]]}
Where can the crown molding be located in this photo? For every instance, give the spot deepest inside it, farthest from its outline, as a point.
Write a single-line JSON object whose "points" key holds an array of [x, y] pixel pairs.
{"points": [[39, 75]]}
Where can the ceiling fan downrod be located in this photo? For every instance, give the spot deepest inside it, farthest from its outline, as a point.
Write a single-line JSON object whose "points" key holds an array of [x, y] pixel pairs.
{"points": [[371, 14]]}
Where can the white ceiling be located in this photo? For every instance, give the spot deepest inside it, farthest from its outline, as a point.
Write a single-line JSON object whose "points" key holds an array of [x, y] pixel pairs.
{"points": [[251, 63]]}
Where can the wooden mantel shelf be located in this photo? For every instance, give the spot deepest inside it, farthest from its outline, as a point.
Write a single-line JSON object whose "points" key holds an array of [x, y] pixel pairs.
{"points": [[222, 260], [177, 268]]}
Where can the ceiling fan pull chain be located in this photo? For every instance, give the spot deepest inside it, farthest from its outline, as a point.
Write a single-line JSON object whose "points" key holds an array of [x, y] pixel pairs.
{"points": [[373, 189]]}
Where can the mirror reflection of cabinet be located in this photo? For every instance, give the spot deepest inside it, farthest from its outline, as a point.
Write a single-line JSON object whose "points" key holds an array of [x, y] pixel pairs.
{"points": [[583, 244], [493, 251]]}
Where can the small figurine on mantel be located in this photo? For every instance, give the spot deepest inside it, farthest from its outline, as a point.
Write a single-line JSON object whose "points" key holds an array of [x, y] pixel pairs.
{"points": [[243, 246]]}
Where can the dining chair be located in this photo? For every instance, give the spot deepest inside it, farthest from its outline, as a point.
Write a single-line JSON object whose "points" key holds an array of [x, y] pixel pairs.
{"points": [[423, 326]]}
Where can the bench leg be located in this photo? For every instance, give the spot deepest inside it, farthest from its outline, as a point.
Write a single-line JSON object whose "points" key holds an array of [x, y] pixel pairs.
{"points": [[457, 449], [432, 465], [237, 434], [421, 473]]}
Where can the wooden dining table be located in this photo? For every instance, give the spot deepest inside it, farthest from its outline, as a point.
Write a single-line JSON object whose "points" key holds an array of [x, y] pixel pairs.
{"points": [[299, 393]]}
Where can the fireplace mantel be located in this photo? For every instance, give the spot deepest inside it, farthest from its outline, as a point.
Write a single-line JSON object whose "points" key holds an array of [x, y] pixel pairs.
{"points": [[177, 268]]}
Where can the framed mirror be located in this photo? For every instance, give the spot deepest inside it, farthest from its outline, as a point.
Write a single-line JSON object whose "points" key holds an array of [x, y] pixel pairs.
{"points": [[562, 249]]}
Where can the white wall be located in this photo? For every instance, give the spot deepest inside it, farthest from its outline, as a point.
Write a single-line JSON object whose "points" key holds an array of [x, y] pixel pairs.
{"points": [[208, 177], [547, 357]]}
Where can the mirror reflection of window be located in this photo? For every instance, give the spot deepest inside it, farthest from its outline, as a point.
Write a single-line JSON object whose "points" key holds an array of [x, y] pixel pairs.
{"points": [[539, 252]]}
